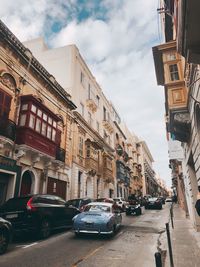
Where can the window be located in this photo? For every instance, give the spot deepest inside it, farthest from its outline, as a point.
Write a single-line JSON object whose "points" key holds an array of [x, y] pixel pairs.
{"points": [[39, 121], [174, 76], [32, 121], [82, 79], [80, 151], [171, 56], [82, 109], [98, 100], [38, 125], [89, 91], [97, 126], [104, 113], [22, 121], [5, 102], [90, 118]]}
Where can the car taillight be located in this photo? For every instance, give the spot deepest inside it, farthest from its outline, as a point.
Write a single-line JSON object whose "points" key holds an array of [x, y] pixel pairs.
{"points": [[29, 205]]}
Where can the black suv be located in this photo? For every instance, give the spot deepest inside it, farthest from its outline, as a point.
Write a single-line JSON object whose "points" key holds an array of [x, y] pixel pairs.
{"points": [[38, 213], [5, 235], [79, 203]]}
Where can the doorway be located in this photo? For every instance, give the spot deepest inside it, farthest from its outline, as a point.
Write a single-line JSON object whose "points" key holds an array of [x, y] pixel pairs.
{"points": [[26, 183]]}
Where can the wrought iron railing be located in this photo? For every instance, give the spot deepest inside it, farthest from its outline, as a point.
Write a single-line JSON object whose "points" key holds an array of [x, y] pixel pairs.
{"points": [[8, 129], [60, 154]]}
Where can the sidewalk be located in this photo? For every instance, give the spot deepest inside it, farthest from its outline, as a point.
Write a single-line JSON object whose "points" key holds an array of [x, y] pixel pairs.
{"points": [[185, 241]]}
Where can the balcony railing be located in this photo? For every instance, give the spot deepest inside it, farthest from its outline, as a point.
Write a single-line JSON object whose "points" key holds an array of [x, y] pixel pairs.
{"points": [[8, 129], [92, 102], [60, 154]]}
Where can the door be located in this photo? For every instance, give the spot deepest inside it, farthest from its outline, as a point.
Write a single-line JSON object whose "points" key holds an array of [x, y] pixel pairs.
{"points": [[26, 184], [56, 187], [3, 187]]}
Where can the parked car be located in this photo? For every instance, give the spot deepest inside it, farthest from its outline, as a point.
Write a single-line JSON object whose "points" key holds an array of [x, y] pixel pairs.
{"points": [[162, 199], [121, 202], [98, 218], [38, 213], [5, 235], [79, 203], [153, 202], [133, 206]]}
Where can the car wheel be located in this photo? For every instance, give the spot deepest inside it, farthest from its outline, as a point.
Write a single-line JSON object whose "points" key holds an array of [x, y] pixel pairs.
{"points": [[128, 213], [45, 229], [77, 234], [138, 212], [4, 240], [160, 207]]}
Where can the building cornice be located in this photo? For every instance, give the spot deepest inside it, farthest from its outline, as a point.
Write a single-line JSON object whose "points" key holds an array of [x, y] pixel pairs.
{"points": [[26, 56]]}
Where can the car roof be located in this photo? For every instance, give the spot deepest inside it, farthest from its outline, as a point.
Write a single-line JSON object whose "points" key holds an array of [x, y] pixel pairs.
{"points": [[100, 203]]}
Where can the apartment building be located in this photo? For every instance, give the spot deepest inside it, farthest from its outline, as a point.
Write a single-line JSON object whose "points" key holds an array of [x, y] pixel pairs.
{"points": [[35, 121]]}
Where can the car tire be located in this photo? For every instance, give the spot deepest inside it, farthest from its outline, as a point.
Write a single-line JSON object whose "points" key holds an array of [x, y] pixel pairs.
{"points": [[128, 213], [138, 212], [77, 234], [160, 207], [4, 240], [45, 229]]}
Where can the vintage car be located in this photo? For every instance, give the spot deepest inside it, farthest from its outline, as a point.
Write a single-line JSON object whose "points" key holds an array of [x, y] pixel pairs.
{"points": [[98, 218], [153, 203], [133, 206]]}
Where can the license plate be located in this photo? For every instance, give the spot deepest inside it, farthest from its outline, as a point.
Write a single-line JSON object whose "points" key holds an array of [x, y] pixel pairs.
{"points": [[11, 216]]}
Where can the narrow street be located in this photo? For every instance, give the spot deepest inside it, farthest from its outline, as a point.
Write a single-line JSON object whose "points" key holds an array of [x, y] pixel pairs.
{"points": [[134, 245]]}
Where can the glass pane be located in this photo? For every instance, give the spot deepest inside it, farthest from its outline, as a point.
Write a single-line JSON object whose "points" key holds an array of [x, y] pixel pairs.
{"points": [[24, 106], [45, 117], [54, 124], [22, 121], [44, 128], [50, 120], [38, 125], [49, 129], [53, 135], [39, 113], [33, 108], [32, 121]]}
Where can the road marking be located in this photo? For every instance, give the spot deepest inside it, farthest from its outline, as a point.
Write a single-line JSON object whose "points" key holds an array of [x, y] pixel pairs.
{"points": [[87, 256], [30, 245]]}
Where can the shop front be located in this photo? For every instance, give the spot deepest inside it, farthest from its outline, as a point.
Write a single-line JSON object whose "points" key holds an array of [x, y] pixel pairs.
{"points": [[9, 178]]}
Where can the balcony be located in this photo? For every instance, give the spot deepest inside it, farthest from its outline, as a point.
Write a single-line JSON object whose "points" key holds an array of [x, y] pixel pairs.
{"points": [[180, 125], [107, 168], [8, 129], [188, 29], [91, 102], [30, 138], [60, 154], [91, 164], [108, 125]]}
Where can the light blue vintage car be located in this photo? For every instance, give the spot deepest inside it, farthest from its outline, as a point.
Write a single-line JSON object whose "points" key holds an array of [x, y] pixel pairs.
{"points": [[98, 218]]}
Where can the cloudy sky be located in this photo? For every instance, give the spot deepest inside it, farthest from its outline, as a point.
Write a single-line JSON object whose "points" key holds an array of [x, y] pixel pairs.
{"points": [[115, 38]]}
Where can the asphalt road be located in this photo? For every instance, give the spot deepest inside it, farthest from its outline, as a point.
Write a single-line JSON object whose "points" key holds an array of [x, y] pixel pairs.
{"points": [[133, 246]]}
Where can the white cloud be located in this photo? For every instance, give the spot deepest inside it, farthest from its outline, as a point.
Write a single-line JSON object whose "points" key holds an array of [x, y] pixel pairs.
{"points": [[118, 51]]}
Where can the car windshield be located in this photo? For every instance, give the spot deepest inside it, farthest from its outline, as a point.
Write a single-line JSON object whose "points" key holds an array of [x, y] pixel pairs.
{"points": [[74, 202], [97, 207], [153, 199]]}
